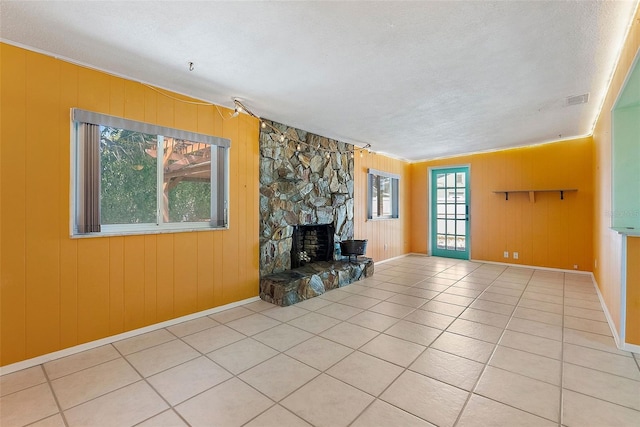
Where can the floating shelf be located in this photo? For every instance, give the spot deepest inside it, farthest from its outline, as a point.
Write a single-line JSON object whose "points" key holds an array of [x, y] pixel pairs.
{"points": [[532, 193]]}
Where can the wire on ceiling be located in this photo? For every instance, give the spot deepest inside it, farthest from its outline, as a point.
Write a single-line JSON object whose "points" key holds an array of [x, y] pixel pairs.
{"points": [[241, 108], [282, 137]]}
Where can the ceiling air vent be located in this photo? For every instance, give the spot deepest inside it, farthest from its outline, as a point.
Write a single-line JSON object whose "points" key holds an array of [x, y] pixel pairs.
{"points": [[578, 99]]}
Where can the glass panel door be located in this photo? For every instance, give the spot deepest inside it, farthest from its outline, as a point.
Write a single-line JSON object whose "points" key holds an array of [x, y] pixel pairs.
{"points": [[450, 212]]}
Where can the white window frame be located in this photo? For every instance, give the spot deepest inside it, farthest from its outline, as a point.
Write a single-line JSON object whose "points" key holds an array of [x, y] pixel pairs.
{"points": [[374, 175], [219, 172]]}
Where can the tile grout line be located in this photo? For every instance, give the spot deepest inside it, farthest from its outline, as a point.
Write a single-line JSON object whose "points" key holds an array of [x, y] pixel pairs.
{"points": [[55, 397], [143, 378], [237, 376], [561, 403], [495, 347], [405, 369], [321, 372], [426, 347], [233, 375]]}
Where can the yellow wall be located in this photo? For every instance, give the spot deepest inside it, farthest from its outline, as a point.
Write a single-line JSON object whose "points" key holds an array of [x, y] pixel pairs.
{"points": [[633, 291], [607, 243], [548, 232], [58, 292], [394, 233]]}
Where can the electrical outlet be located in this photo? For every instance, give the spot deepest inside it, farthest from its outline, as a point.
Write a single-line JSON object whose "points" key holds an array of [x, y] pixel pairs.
{"points": [[575, 266], [385, 246], [595, 263], [506, 254], [515, 255]]}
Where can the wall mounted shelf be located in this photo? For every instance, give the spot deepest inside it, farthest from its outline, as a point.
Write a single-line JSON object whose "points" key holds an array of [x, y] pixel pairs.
{"points": [[532, 193]]}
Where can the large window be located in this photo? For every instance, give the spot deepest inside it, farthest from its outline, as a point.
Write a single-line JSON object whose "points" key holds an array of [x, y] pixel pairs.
{"points": [[133, 177], [383, 195]]}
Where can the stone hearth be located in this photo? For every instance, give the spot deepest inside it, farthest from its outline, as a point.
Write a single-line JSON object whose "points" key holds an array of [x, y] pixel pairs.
{"points": [[292, 286]]}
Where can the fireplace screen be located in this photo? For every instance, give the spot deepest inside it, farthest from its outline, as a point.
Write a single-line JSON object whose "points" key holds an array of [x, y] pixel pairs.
{"points": [[312, 243]]}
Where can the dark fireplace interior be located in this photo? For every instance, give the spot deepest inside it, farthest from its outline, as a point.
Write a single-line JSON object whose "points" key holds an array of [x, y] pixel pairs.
{"points": [[312, 243]]}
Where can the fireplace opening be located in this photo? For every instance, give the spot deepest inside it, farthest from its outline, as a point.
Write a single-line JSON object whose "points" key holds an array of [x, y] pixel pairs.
{"points": [[312, 243]]}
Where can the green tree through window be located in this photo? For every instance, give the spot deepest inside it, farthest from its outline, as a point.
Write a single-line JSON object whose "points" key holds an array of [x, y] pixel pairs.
{"points": [[132, 176], [128, 181]]}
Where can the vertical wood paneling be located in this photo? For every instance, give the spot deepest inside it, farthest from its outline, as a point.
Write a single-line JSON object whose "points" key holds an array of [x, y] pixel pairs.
{"points": [[395, 233], [218, 120], [164, 111], [419, 197], [133, 102], [205, 271], [252, 249], [117, 97], [254, 140], [230, 262], [116, 285], [68, 247], [150, 105], [164, 284], [42, 184], [543, 233], [93, 289], [58, 292], [186, 116], [12, 203], [150, 279], [134, 266], [540, 245], [185, 276], [93, 90], [243, 214]]}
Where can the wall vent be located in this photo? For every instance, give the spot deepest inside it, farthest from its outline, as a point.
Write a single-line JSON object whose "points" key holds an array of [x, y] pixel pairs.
{"points": [[578, 99]]}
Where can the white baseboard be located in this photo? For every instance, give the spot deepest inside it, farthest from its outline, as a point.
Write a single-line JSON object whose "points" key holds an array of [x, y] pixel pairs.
{"points": [[634, 348], [607, 315], [391, 259], [24, 364], [537, 267]]}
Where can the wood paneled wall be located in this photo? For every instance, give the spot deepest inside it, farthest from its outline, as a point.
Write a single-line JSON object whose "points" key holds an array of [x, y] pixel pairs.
{"points": [[607, 243], [387, 238], [548, 232], [57, 292]]}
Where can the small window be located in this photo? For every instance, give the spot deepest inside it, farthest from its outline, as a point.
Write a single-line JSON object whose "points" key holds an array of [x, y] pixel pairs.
{"points": [[383, 195], [132, 177]]}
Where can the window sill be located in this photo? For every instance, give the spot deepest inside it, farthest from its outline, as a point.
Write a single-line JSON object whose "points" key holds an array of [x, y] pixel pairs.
{"points": [[140, 232], [383, 218]]}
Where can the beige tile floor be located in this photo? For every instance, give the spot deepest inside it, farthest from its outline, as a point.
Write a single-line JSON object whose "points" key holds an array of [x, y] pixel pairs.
{"points": [[425, 341]]}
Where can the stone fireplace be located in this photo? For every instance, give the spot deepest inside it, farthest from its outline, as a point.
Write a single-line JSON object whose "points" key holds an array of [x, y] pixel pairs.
{"points": [[306, 210], [300, 187]]}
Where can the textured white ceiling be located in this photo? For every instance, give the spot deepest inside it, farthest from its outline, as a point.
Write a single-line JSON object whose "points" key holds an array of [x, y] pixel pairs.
{"points": [[417, 80]]}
